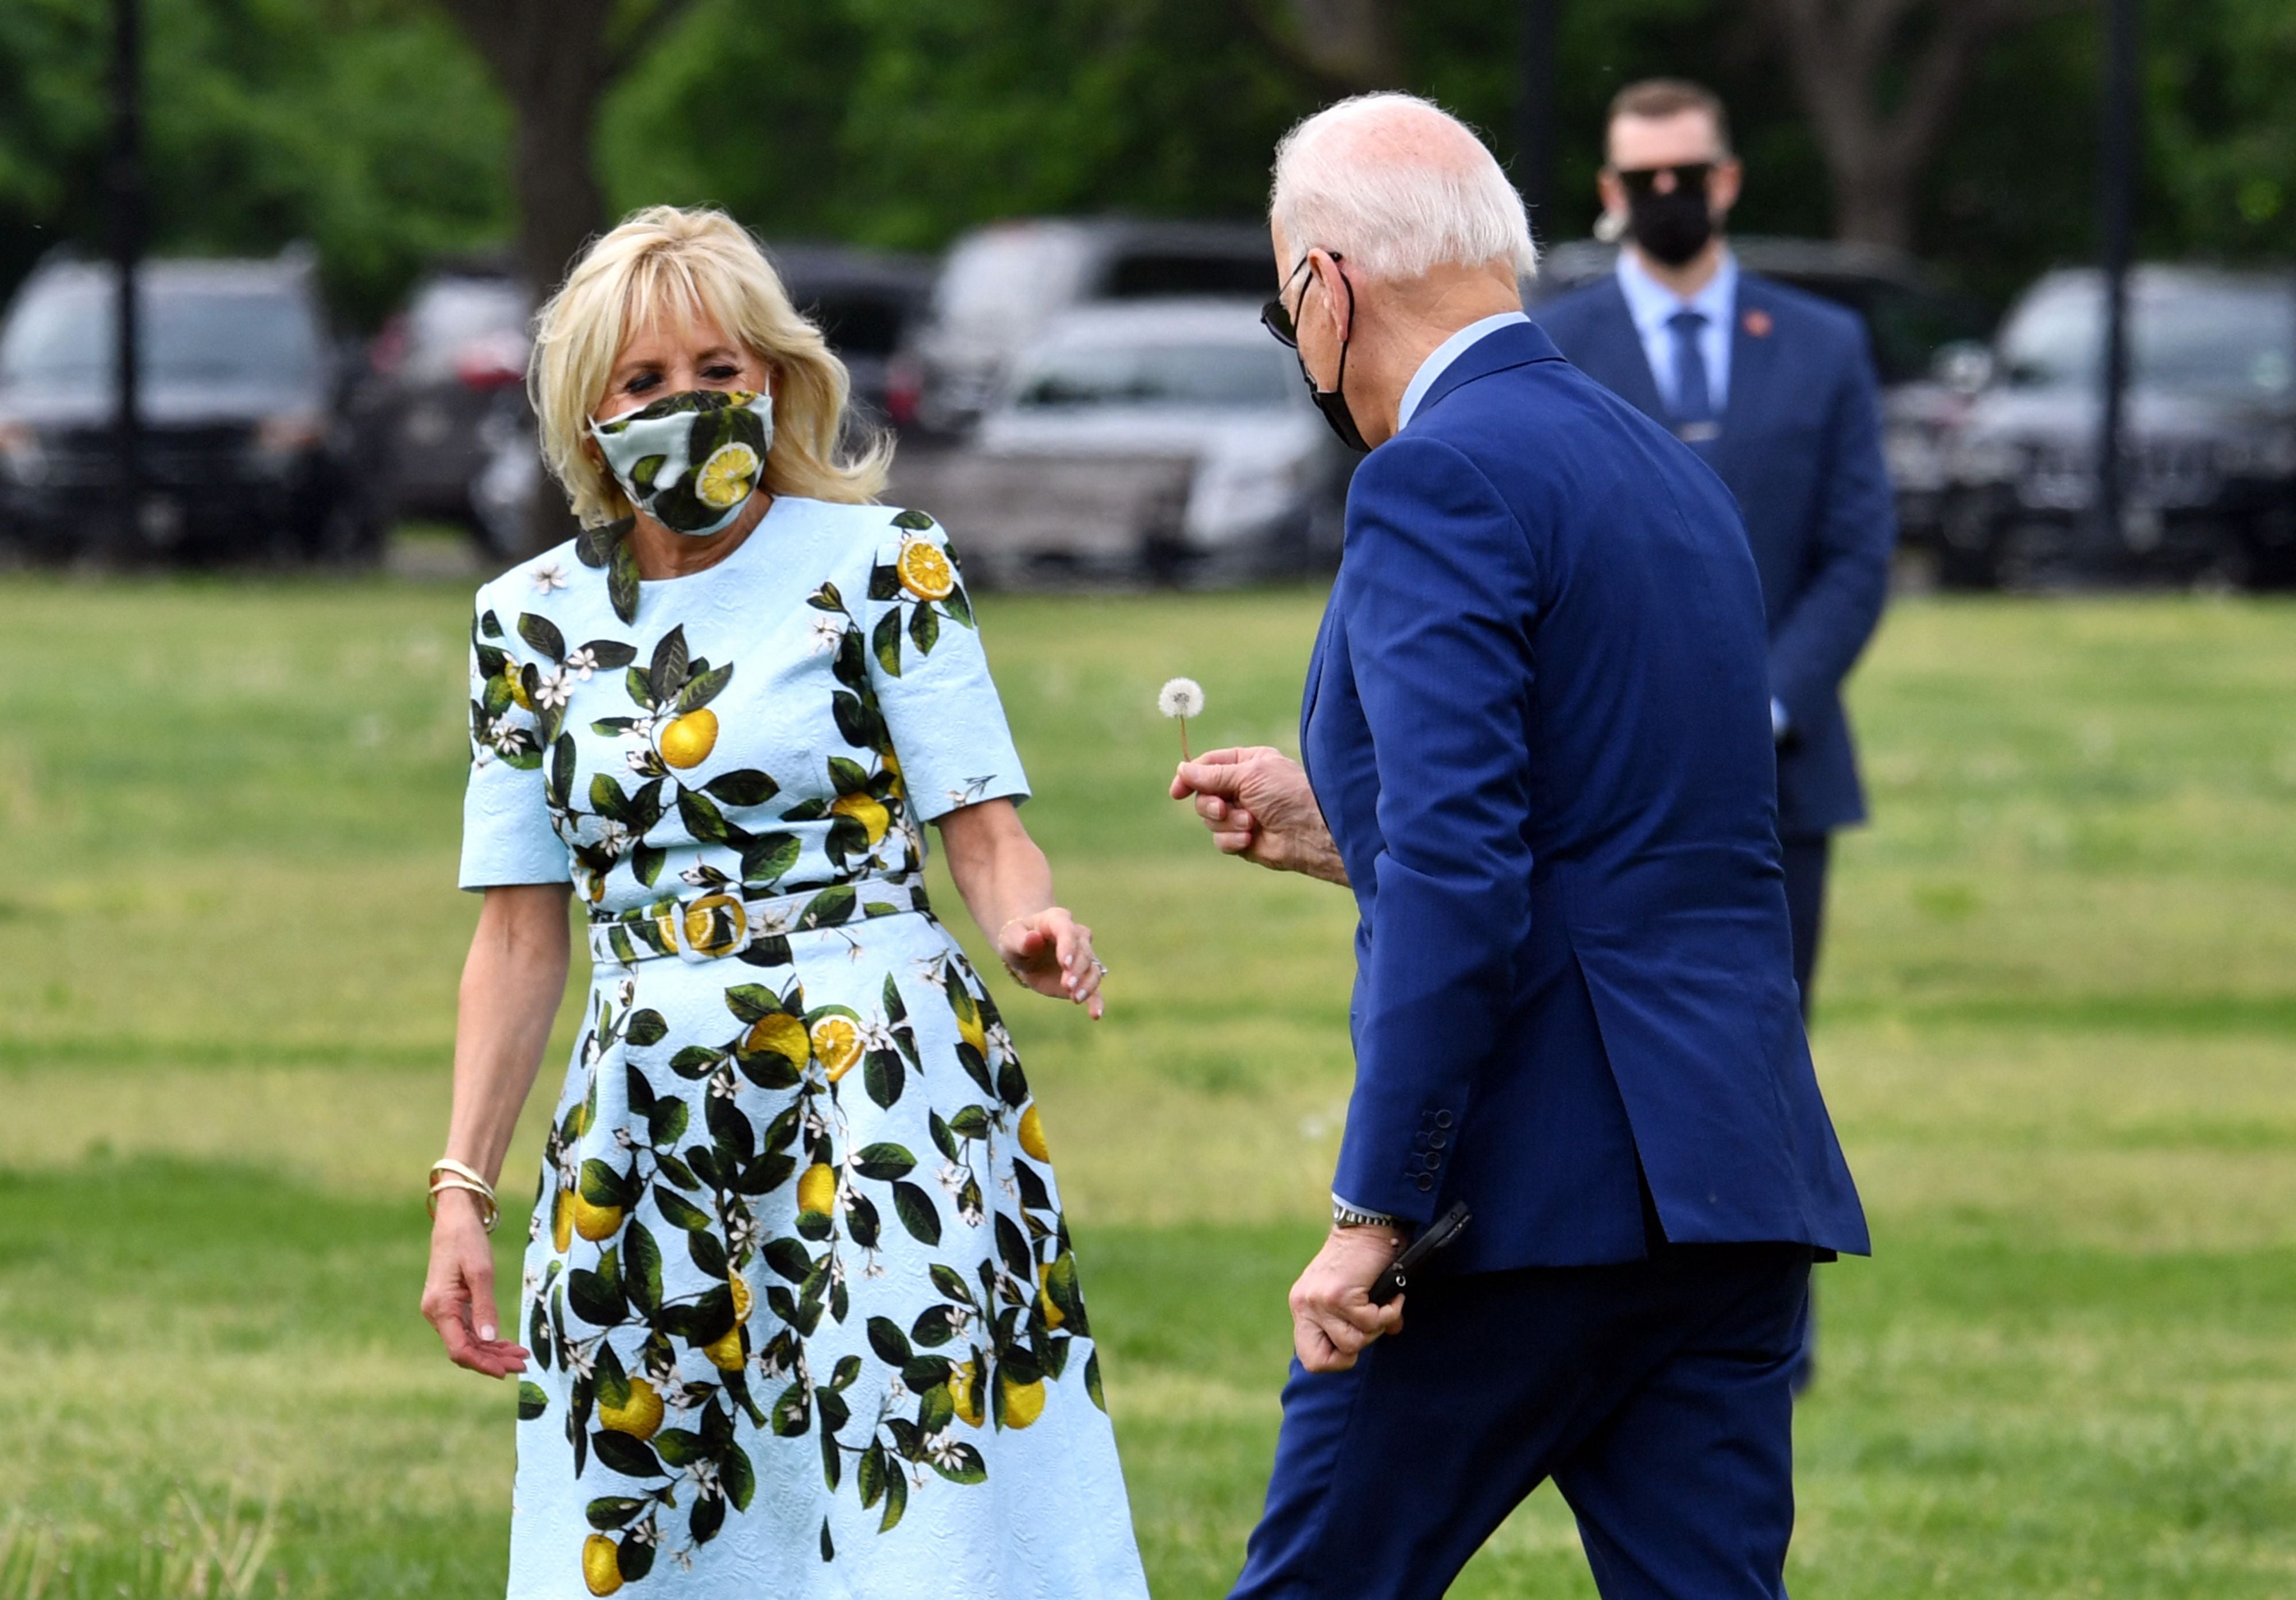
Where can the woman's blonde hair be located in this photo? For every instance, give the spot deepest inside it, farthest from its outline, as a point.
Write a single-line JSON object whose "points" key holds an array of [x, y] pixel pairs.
{"points": [[661, 267]]}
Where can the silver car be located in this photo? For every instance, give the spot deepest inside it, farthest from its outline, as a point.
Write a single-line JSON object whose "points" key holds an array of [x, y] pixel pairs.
{"points": [[1168, 441]]}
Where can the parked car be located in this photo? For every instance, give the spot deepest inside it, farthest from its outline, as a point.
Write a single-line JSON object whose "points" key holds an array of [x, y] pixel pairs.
{"points": [[2209, 493], [459, 342], [1169, 442], [1003, 284], [1921, 339], [865, 303], [240, 392]]}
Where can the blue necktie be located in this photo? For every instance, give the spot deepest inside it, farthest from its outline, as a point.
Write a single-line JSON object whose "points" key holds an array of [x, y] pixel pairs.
{"points": [[1693, 395]]}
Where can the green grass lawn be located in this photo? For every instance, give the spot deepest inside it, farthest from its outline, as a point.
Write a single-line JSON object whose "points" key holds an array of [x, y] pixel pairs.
{"points": [[2057, 1026]]}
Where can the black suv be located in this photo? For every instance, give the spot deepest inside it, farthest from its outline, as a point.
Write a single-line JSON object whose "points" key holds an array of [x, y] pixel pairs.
{"points": [[2209, 493], [243, 450]]}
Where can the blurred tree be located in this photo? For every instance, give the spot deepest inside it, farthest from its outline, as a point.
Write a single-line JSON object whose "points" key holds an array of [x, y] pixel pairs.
{"points": [[1881, 80], [555, 59], [1344, 46], [361, 126]]}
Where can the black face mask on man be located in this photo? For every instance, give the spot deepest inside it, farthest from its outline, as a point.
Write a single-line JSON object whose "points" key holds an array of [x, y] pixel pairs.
{"points": [[1276, 316], [1673, 226]]}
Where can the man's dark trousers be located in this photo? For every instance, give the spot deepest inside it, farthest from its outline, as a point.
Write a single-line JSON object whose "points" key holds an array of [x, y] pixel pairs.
{"points": [[1655, 1394]]}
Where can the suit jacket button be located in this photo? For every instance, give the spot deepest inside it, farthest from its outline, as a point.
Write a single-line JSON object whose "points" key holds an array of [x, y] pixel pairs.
{"points": [[1442, 1119], [1437, 1141], [1426, 1182]]}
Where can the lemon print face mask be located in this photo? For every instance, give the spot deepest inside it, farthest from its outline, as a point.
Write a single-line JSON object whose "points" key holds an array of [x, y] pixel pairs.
{"points": [[690, 460]]}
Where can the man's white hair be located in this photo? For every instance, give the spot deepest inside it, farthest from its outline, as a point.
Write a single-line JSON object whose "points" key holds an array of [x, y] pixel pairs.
{"points": [[1399, 186]]}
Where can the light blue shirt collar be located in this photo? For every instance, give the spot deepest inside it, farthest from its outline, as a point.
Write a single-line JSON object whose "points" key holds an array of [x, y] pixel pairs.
{"points": [[1443, 354], [1650, 303]]}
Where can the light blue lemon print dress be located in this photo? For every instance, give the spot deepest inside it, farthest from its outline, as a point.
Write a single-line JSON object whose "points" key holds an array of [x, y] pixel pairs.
{"points": [[804, 1314]]}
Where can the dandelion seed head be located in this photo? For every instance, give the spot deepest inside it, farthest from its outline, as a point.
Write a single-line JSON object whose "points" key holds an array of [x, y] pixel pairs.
{"points": [[1182, 697]]}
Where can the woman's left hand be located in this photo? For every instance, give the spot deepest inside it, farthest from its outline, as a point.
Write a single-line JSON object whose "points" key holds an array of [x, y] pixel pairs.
{"points": [[1050, 952]]}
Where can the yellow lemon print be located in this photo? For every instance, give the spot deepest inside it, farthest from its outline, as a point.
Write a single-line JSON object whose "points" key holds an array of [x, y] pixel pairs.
{"points": [[1024, 1403], [726, 476], [724, 1351], [925, 573], [516, 679], [639, 1416], [602, 1567], [837, 1044], [970, 1027], [817, 1191], [1053, 1315], [1032, 1135], [780, 1034], [595, 1222], [688, 740], [865, 809], [964, 1391], [562, 1220], [893, 766]]}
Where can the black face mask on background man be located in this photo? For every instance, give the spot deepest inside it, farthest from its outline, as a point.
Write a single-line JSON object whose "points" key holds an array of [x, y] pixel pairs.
{"points": [[1674, 227]]}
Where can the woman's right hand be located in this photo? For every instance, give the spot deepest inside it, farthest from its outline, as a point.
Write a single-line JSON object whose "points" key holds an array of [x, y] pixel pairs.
{"points": [[458, 1295]]}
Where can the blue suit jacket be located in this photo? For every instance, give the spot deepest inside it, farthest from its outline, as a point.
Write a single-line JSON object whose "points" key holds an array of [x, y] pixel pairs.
{"points": [[1537, 720], [1800, 449]]}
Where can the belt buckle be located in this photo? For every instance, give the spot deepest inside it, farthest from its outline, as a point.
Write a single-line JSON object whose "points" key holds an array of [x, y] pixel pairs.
{"points": [[710, 929]]}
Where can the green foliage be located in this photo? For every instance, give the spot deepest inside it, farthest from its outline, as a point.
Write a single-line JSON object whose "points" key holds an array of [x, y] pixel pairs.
{"points": [[362, 125]]}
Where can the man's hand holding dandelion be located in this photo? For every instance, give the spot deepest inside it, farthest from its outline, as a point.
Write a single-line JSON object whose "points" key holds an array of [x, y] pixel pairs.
{"points": [[1258, 805]]}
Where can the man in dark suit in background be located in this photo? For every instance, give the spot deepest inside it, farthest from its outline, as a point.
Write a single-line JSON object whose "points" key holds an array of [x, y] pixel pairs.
{"points": [[1775, 388]]}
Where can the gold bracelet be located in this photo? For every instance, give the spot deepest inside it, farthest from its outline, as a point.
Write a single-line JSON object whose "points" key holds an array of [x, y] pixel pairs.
{"points": [[447, 1174]]}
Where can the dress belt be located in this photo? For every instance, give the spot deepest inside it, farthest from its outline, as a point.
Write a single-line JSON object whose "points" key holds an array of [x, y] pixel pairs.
{"points": [[713, 927]]}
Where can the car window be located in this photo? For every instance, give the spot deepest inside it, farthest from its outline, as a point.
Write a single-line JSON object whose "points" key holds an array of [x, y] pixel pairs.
{"points": [[2234, 341], [1147, 274], [1001, 285], [856, 321], [63, 334], [449, 313], [1216, 375]]}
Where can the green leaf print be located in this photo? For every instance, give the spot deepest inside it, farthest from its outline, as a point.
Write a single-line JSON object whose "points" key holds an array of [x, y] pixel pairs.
{"points": [[646, 863], [768, 858], [490, 624], [610, 1512], [532, 1402], [606, 654], [849, 776], [737, 1476], [886, 1337], [631, 1458], [641, 691], [642, 1271], [678, 1211], [788, 1258], [826, 599], [885, 642], [702, 688], [913, 521], [882, 1077], [701, 816], [667, 674], [543, 633], [752, 1002], [924, 628], [646, 1028], [959, 609], [885, 1163], [830, 907], [746, 787], [917, 1212], [622, 581]]}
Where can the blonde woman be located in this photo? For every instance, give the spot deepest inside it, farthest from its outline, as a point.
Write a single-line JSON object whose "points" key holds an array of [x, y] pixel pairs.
{"points": [[800, 1314]]}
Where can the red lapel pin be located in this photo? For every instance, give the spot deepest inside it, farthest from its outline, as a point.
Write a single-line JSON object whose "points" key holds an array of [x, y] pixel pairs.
{"points": [[1757, 325]]}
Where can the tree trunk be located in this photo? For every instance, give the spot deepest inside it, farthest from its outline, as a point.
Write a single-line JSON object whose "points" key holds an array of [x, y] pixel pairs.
{"points": [[1875, 156], [554, 61], [1343, 46]]}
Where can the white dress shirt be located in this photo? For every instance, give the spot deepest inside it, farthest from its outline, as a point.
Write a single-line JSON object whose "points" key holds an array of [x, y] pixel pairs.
{"points": [[1443, 355], [1652, 304]]}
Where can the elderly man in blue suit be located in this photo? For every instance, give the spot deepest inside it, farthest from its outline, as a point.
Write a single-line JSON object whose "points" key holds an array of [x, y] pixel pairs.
{"points": [[1537, 734], [1775, 389]]}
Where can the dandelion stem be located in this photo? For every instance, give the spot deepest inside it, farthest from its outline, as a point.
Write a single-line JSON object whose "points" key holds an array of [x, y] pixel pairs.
{"points": [[1184, 756]]}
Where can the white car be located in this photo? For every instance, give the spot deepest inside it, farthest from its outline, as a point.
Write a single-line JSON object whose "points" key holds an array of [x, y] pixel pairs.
{"points": [[1172, 440]]}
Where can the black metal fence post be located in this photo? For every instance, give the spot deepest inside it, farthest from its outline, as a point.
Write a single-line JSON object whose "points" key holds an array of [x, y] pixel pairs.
{"points": [[1535, 116], [2123, 114], [127, 206]]}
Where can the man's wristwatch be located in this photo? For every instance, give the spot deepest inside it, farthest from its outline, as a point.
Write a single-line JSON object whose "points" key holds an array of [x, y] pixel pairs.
{"points": [[1344, 1215]]}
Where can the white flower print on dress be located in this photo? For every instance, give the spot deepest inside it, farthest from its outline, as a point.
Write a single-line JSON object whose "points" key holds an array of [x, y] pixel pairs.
{"points": [[549, 576]]}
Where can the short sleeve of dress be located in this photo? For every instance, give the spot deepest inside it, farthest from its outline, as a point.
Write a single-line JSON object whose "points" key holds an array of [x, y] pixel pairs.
{"points": [[506, 832], [931, 675]]}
